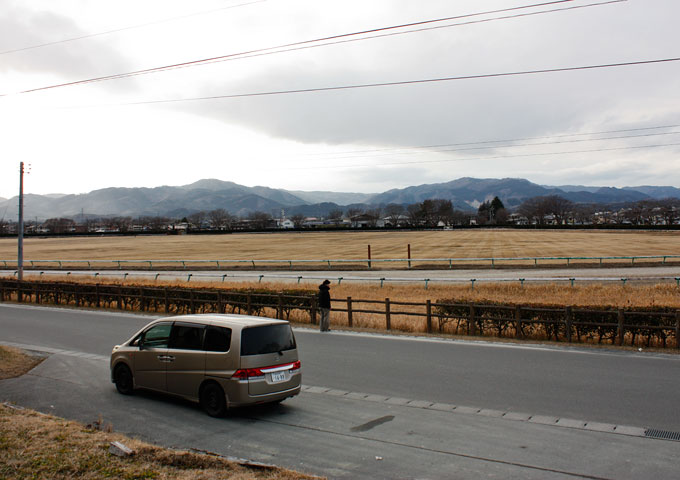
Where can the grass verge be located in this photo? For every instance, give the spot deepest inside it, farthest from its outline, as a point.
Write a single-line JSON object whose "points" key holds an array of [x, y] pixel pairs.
{"points": [[34, 445]]}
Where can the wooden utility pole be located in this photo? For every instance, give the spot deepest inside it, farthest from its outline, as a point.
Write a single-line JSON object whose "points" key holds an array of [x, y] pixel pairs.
{"points": [[20, 253]]}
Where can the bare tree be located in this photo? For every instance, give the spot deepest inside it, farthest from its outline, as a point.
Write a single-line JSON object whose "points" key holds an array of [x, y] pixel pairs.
{"points": [[59, 225], [394, 213], [335, 216], [669, 210], [220, 218], [354, 211], [297, 220], [197, 219], [122, 224], [373, 215], [260, 220], [414, 214]]}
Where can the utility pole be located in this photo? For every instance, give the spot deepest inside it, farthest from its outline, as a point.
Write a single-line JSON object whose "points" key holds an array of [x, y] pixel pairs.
{"points": [[20, 256]]}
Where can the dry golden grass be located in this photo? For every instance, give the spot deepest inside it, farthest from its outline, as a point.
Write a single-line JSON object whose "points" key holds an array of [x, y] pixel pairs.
{"points": [[34, 445], [352, 245], [550, 295], [14, 362]]}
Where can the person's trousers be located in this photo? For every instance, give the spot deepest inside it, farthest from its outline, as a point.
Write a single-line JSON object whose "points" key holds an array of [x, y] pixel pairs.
{"points": [[325, 322]]}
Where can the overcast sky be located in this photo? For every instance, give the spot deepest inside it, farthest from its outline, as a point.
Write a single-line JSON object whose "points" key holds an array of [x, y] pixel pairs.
{"points": [[616, 126]]}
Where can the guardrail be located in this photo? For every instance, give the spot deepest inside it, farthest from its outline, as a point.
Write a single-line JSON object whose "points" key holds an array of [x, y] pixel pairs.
{"points": [[259, 278], [635, 327], [331, 263]]}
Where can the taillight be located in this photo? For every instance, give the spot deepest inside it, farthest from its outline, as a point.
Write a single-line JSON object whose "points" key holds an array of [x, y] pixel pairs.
{"points": [[246, 373]]}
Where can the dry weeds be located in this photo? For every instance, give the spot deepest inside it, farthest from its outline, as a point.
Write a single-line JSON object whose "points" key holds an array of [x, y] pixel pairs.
{"points": [[14, 362]]}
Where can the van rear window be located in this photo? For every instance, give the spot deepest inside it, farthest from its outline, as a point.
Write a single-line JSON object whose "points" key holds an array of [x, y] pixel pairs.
{"points": [[267, 339]]}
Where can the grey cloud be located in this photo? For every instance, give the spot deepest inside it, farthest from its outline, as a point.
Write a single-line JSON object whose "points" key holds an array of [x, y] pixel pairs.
{"points": [[21, 27]]}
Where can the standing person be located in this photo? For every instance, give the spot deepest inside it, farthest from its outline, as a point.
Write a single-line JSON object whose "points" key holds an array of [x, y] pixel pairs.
{"points": [[325, 306]]}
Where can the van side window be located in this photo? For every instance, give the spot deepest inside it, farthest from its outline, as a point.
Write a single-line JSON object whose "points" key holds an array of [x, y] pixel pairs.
{"points": [[217, 339], [157, 336], [187, 337]]}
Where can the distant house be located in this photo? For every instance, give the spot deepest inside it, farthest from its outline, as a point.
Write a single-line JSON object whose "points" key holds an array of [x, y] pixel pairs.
{"points": [[285, 223]]}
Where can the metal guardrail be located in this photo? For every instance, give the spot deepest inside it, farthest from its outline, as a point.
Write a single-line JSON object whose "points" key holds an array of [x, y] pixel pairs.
{"points": [[188, 277], [450, 262]]}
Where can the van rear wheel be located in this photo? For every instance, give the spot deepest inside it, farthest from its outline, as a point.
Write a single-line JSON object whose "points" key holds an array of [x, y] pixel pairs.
{"points": [[212, 400]]}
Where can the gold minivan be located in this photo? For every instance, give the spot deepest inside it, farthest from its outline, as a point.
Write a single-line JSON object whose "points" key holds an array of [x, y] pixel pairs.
{"points": [[220, 361]]}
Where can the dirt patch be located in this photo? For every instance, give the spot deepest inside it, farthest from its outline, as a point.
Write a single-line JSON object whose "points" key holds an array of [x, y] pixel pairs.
{"points": [[15, 362]]}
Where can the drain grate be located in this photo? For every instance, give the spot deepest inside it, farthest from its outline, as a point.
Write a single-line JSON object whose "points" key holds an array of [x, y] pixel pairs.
{"points": [[662, 434]]}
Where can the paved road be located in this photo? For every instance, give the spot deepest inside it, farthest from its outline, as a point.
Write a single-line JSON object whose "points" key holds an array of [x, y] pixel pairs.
{"points": [[384, 407], [633, 274]]}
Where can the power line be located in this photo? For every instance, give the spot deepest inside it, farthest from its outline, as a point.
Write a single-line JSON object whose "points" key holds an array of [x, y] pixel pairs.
{"points": [[487, 147], [306, 43], [400, 83], [485, 142], [496, 157], [131, 27]]}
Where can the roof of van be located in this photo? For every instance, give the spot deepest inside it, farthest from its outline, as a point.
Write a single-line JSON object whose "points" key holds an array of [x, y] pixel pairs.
{"points": [[228, 319]]}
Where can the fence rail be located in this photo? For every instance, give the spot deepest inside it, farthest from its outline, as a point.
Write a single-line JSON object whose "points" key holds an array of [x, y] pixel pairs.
{"points": [[278, 277], [658, 328], [369, 263]]}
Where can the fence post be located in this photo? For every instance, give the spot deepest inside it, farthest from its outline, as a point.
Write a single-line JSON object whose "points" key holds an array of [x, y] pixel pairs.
{"points": [[388, 319], [619, 332], [472, 325], [312, 310], [97, 295], [167, 300], [568, 321], [120, 295], [519, 333], [279, 308], [220, 305], [350, 320], [248, 303], [677, 329], [428, 307], [191, 301]]}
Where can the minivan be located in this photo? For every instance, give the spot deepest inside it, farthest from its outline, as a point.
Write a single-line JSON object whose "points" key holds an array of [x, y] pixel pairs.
{"points": [[219, 361]]}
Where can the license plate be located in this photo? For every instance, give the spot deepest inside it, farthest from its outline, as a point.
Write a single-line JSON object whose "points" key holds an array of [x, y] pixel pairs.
{"points": [[278, 377]]}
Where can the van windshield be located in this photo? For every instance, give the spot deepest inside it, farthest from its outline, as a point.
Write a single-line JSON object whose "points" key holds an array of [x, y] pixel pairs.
{"points": [[267, 339]]}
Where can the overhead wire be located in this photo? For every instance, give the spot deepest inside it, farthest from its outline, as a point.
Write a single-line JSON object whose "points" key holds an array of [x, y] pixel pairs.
{"points": [[395, 83], [495, 157], [486, 142], [130, 27], [489, 147], [335, 38]]}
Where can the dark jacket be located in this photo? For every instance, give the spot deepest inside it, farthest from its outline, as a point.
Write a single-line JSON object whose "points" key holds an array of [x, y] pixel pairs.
{"points": [[324, 296]]}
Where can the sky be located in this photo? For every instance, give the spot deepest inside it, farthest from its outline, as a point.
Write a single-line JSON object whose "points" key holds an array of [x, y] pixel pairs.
{"points": [[275, 116]]}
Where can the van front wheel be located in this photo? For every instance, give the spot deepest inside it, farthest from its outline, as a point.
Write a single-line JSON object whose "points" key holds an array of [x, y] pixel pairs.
{"points": [[122, 376], [212, 400]]}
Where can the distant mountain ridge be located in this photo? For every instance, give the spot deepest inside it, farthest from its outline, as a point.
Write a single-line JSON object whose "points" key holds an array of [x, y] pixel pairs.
{"points": [[210, 194]]}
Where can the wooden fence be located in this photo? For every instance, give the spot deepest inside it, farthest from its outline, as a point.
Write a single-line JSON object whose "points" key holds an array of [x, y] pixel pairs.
{"points": [[659, 328]]}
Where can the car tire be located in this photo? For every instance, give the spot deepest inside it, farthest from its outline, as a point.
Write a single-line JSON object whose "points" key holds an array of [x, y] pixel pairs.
{"points": [[212, 400], [122, 376]]}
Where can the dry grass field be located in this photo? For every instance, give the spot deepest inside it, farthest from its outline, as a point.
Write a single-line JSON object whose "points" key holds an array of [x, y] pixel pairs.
{"points": [[351, 245]]}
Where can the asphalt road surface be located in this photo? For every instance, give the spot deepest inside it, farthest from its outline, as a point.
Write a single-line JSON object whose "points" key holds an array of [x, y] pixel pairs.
{"points": [[375, 406]]}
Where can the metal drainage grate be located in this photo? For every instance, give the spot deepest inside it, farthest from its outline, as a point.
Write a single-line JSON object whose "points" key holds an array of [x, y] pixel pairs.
{"points": [[662, 434]]}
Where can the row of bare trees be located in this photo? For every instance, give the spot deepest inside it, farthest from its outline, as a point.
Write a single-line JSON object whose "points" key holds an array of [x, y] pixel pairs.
{"points": [[546, 210], [553, 209]]}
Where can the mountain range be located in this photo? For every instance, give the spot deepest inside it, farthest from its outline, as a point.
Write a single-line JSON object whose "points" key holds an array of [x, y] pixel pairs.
{"points": [[210, 194]]}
